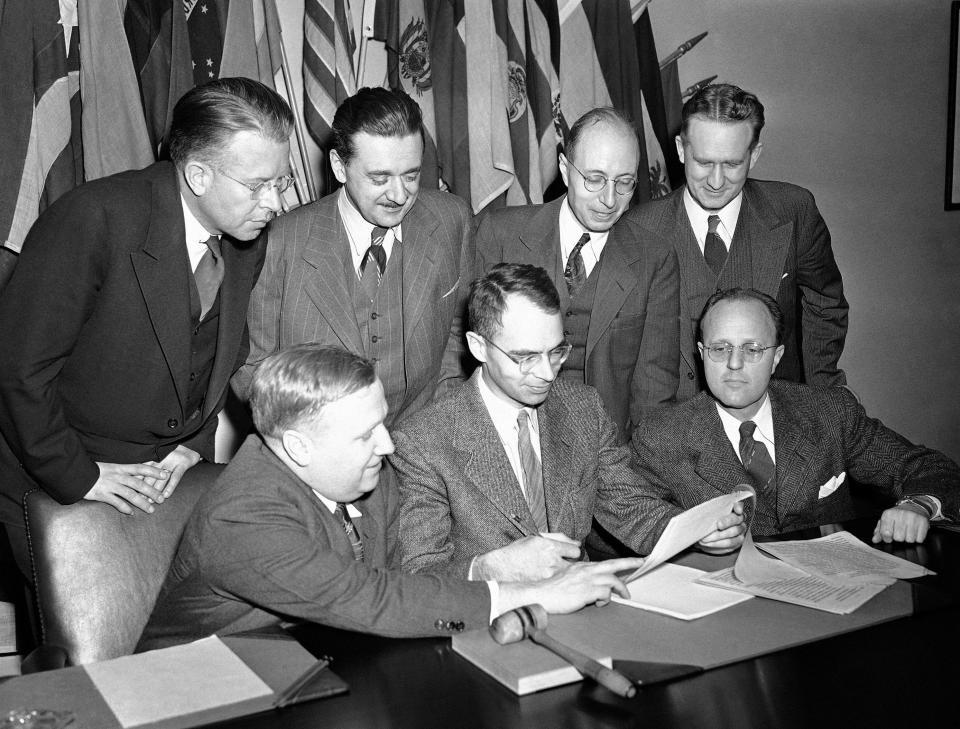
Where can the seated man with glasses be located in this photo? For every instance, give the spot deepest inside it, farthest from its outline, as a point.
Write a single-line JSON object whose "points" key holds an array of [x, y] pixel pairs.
{"points": [[504, 478], [800, 446], [618, 282]]}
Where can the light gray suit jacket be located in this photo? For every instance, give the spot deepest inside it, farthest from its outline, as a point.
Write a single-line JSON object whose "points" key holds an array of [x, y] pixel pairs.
{"points": [[303, 294], [460, 496]]}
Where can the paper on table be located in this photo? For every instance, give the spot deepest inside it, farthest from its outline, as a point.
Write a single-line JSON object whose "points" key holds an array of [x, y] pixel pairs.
{"points": [[8, 628], [841, 558], [806, 590], [672, 589], [689, 527]]}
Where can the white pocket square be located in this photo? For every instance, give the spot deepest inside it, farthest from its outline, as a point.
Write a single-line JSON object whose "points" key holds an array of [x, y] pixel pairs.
{"points": [[784, 276], [455, 285], [832, 485]]}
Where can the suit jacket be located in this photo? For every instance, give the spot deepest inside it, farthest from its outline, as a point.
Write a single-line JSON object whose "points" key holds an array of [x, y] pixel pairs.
{"points": [[304, 295], [96, 332], [819, 434], [632, 351], [782, 247], [261, 547], [461, 498]]}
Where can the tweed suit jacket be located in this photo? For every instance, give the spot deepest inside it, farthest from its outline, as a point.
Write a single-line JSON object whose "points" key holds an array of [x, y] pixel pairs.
{"points": [[781, 246], [261, 547], [95, 328], [303, 294], [461, 498], [819, 434], [632, 354]]}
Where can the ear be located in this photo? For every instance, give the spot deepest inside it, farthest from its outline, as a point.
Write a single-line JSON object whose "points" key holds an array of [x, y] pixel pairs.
{"points": [[297, 447], [562, 162], [198, 176], [755, 154], [338, 166], [777, 356], [679, 142], [478, 346]]}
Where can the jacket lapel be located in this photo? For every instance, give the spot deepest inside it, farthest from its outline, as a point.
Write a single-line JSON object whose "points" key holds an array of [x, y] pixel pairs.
{"points": [[768, 239], [718, 464], [616, 279], [420, 251], [795, 451], [540, 237], [557, 457]]}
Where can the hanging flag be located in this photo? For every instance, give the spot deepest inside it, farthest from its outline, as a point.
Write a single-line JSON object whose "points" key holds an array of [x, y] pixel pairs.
{"points": [[329, 76], [448, 64], [582, 84], [206, 38], [40, 145], [157, 34], [251, 44], [543, 83]]}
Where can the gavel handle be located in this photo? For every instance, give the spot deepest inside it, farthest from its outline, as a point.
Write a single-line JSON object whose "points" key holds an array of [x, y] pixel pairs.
{"points": [[613, 680]]}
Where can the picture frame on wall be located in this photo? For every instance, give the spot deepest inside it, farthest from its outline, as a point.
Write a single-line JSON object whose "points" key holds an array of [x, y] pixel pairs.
{"points": [[952, 198]]}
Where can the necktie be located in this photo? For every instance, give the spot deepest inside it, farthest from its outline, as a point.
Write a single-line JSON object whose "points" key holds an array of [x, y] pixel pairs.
{"points": [[352, 534], [575, 273], [532, 472], [209, 274], [756, 458], [714, 251], [370, 275]]}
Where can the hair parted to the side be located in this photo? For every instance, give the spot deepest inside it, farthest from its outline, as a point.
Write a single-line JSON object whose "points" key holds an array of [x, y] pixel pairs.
{"points": [[376, 111], [206, 117], [295, 384], [600, 115], [488, 295], [742, 294], [724, 103]]}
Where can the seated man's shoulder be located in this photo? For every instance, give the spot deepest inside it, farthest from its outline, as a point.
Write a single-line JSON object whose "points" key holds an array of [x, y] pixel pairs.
{"points": [[437, 417]]}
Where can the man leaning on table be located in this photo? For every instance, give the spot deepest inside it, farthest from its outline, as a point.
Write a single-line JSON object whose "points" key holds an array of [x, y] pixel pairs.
{"points": [[297, 528], [800, 446]]}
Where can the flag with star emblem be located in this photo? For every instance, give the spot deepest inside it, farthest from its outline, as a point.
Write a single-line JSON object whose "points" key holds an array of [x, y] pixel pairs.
{"points": [[40, 147], [543, 84], [206, 38]]}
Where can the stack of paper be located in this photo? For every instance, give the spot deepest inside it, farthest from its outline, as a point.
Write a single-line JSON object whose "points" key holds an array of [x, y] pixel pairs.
{"points": [[672, 589]]}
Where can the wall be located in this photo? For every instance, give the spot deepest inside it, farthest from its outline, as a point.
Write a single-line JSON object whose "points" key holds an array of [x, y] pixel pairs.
{"points": [[856, 105]]}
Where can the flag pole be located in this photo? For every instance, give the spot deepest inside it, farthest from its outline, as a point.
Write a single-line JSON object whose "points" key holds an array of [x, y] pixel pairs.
{"points": [[681, 49]]}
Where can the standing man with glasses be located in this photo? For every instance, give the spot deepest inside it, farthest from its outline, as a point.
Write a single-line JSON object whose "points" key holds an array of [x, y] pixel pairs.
{"points": [[124, 318], [379, 267], [503, 479], [800, 446], [618, 282]]}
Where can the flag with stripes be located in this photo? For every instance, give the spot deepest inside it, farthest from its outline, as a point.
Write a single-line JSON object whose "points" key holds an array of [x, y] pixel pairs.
{"points": [[40, 147], [582, 83], [329, 76], [543, 83]]}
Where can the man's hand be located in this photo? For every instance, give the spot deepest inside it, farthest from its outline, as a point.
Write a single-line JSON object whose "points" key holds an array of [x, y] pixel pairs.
{"points": [[581, 583], [530, 558], [904, 523], [178, 462], [728, 535], [123, 484]]}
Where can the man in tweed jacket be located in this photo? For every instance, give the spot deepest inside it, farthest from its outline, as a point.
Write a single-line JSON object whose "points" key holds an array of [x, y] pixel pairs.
{"points": [[820, 439], [473, 505], [312, 289]]}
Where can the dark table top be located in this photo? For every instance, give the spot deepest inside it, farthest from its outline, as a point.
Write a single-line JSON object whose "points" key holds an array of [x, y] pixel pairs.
{"points": [[904, 672]]}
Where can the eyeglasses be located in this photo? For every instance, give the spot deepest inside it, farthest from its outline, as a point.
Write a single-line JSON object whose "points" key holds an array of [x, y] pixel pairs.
{"points": [[281, 184], [526, 362], [752, 351], [595, 183]]}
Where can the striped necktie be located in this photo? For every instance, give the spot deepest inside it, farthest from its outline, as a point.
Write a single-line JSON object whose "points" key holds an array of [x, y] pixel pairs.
{"points": [[575, 273], [351, 531], [756, 458], [532, 472], [370, 275]]}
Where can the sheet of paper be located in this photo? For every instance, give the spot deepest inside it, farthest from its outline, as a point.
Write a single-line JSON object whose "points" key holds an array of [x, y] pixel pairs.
{"points": [[187, 679], [752, 567], [690, 527], [806, 590], [672, 589], [8, 628], [841, 558]]}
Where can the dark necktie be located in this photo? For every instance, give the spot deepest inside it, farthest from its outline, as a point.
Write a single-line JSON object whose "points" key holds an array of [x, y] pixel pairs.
{"points": [[714, 251], [756, 458], [575, 272], [532, 472], [209, 274], [370, 275], [352, 534]]}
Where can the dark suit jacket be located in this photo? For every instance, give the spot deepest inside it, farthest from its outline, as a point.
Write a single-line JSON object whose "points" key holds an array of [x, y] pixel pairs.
{"points": [[303, 294], [96, 332], [819, 433], [781, 247], [632, 342], [460, 494], [261, 547]]}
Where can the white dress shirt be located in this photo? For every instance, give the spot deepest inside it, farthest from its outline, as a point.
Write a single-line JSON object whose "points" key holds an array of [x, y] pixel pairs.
{"points": [[195, 235], [570, 233], [359, 231], [699, 218], [504, 416], [763, 433]]}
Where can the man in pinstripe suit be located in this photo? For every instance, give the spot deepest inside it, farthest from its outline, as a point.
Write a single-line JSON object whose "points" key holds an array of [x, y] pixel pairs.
{"points": [[379, 267]]}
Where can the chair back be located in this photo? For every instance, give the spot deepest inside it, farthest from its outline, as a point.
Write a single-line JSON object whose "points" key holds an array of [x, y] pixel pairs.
{"points": [[98, 572]]}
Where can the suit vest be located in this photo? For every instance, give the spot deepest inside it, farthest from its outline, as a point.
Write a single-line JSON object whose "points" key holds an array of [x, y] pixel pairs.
{"points": [[203, 350]]}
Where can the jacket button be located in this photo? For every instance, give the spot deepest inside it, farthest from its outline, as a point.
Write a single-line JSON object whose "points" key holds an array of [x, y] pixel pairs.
{"points": [[438, 624], [689, 375], [374, 315], [374, 339], [172, 423]]}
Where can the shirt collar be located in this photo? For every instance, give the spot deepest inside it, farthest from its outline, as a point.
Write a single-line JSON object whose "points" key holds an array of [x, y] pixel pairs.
{"points": [[763, 419], [359, 228], [194, 232], [571, 230], [352, 510], [502, 413], [699, 218]]}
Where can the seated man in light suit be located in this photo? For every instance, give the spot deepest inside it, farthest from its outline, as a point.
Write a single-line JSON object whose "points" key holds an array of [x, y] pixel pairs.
{"points": [[800, 446], [296, 526], [503, 478]]}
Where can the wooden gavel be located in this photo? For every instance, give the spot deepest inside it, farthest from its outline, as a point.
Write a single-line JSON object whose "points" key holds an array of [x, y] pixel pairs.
{"points": [[530, 621]]}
